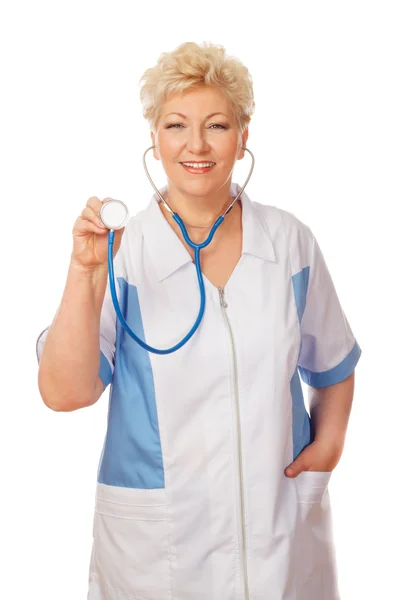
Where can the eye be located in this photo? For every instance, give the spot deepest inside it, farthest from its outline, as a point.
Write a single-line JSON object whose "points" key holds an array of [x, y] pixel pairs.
{"points": [[180, 124]]}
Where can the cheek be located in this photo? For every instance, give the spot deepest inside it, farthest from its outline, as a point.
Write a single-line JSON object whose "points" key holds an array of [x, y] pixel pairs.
{"points": [[169, 144], [227, 148]]}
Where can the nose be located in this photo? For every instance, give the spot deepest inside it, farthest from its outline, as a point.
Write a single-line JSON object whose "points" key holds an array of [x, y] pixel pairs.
{"points": [[196, 140]]}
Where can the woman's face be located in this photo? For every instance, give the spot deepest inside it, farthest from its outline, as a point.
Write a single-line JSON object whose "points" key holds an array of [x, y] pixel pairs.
{"points": [[205, 131]]}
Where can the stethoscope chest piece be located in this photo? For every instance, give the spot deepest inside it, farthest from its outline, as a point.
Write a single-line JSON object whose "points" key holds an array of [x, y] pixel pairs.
{"points": [[114, 214]]}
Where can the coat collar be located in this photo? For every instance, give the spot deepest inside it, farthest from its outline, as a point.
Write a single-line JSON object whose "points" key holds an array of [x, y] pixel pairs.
{"points": [[167, 252]]}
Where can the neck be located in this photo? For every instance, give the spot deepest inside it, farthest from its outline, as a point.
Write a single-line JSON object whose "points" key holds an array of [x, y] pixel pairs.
{"points": [[197, 211]]}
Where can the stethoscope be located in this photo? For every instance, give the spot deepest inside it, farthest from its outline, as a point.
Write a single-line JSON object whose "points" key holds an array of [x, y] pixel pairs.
{"points": [[114, 214]]}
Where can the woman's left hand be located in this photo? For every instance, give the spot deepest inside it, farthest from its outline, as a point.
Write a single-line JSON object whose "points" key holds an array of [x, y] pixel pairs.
{"points": [[318, 456]]}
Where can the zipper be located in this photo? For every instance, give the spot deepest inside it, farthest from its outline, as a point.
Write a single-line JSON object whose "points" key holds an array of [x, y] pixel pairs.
{"points": [[224, 306]]}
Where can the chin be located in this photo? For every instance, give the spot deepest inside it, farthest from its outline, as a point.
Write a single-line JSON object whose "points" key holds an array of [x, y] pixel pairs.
{"points": [[198, 184]]}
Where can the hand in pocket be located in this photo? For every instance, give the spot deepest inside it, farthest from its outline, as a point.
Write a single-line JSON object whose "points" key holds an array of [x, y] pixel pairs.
{"points": [[317, 456]]}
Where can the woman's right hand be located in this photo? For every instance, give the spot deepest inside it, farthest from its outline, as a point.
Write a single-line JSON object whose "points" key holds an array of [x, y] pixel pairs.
{"points": [[90, 238]]}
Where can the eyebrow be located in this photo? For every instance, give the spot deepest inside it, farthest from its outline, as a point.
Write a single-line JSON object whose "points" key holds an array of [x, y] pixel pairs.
{"points": [[207, 117]]}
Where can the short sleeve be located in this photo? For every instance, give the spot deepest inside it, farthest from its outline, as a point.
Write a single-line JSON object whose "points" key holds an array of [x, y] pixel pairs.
{"points": [[108, 318], [329, 350], [40, 343]]}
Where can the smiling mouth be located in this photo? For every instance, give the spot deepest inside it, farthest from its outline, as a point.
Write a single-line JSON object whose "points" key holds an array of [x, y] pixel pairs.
{"points": [[199, 169]]}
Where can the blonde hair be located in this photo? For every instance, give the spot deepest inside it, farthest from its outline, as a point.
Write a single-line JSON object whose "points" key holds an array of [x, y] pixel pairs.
{"points": [[191, 66]]}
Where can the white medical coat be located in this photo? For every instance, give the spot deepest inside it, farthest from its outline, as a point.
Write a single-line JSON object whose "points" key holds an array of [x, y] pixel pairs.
{"points": [[192, 502]]}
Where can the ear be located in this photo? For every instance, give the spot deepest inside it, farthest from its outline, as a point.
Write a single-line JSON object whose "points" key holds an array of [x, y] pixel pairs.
{"points": [[245, 136], [153, 143]]}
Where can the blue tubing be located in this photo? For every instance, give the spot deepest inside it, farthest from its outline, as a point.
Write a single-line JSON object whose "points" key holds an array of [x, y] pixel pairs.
{"points": [[197, 248]]}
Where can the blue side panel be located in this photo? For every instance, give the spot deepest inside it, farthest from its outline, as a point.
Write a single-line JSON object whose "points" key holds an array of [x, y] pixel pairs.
{"points": [[334, 375], [301, 423], [300, 286], [105, 372], [300, 418], [132, 455]]}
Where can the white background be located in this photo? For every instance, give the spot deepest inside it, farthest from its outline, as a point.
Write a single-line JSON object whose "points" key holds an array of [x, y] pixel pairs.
{"points": [[325, 136]]}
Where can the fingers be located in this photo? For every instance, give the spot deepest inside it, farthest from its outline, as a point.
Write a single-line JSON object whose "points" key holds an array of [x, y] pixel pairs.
{"points": [[93, 207], [83, 226], [95, 203], [89, 219], [92, 215]]}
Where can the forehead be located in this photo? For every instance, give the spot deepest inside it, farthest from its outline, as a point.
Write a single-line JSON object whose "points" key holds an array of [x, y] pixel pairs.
{"points": [[197, 101]]}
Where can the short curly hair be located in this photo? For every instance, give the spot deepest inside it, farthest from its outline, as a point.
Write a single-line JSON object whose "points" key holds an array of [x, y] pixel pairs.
{"points": [[192, 65]]}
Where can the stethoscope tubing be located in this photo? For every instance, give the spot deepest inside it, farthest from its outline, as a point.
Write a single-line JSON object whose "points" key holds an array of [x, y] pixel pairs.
{"points": [[197, 248]]}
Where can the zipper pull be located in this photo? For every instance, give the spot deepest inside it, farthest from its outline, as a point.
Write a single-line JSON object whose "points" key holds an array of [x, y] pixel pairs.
{"points": [[222, 297]]}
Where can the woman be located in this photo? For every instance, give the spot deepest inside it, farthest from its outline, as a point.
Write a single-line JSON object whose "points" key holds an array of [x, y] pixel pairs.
{"points": [[213, 480]]}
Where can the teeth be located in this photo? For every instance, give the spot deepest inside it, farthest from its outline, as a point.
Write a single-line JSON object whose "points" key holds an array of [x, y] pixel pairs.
{"points": [[198, 165]]}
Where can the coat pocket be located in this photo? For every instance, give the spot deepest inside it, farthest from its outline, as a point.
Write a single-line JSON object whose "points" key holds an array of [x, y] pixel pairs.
{"points": [[131, 537], [315, 554], [312, 485]]}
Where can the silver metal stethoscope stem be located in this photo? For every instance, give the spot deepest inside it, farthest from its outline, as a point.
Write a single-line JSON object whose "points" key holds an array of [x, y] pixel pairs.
{"points": [[115, 216]]}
